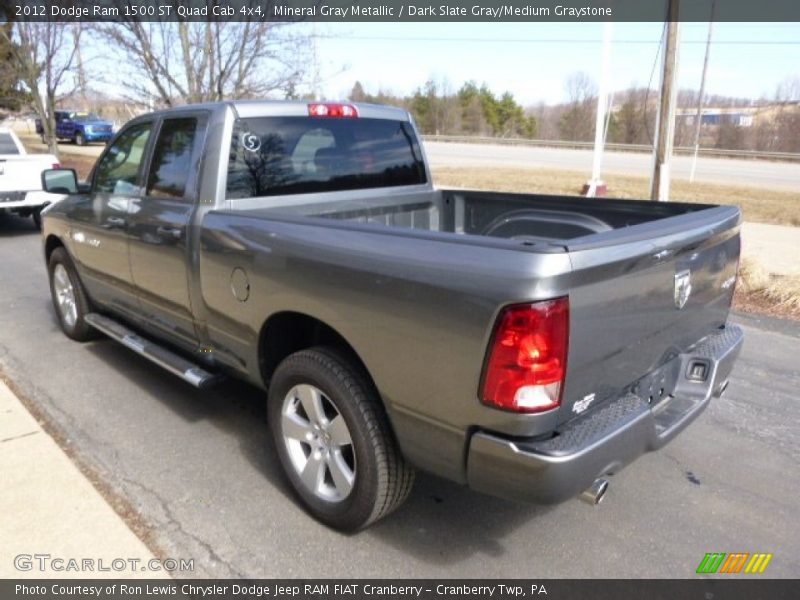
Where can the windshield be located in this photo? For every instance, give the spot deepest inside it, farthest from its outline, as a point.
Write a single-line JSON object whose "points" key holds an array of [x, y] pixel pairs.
{"points": [[85, 116], [7, 144], [294, 155]]}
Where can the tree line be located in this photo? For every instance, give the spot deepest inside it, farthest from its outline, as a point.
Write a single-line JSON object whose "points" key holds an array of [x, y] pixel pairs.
{"points": [[471, 110], [475, 110]]}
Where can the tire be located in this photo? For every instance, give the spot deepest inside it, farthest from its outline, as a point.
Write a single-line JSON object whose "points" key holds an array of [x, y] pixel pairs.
{"points": [[79, 139], [69, 298], [37, 218], [379, 478]]}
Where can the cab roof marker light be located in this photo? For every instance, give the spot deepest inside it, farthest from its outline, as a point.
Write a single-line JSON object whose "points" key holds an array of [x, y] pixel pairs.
{"points": [[332, 109]]}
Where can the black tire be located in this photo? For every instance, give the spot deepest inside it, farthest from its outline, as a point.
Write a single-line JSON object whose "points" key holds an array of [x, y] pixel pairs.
{"points": [[37, 218], [382, 479], [79, 139], [80, 330]]}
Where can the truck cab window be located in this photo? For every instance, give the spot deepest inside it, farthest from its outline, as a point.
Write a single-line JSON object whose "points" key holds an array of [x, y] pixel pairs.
{"points": [[272, 156], [7, 145], [172, 158], [118, 170]]}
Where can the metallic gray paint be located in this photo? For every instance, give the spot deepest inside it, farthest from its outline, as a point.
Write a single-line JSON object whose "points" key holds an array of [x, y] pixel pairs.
{"points": [[418, 303]]}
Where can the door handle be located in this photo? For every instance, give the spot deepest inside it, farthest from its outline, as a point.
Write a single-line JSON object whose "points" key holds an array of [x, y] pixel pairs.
{"points": [[115, 223], [172, 232]]}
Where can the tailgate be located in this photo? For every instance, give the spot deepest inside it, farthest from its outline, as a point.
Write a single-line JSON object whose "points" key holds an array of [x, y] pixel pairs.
{"points": [[641, 295], [23, 173]]}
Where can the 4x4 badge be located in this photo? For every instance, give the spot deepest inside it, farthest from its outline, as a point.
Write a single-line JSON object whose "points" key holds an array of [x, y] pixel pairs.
{"points": [[683, 288]]}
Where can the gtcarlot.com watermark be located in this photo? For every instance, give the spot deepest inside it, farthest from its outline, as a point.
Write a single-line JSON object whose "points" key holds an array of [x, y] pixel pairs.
{"points": [[46, 563]]}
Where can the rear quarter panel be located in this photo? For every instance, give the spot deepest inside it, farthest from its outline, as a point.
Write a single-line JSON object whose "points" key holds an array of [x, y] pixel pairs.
{"points": [[418, 312]]}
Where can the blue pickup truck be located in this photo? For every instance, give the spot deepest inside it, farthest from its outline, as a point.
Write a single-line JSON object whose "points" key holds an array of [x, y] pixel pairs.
{"points": [[80, 127]]}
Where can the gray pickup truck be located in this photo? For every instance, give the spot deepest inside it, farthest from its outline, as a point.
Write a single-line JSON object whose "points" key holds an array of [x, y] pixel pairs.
{"points": [[525, 345]]}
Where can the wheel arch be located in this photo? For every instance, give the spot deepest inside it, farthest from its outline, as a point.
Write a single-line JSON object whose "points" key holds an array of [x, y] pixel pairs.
{"points": [[51, 243], [287, 332]]}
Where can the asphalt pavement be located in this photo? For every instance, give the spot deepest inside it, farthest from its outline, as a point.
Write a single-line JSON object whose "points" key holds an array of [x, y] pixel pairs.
{"points": [[200, 469]]}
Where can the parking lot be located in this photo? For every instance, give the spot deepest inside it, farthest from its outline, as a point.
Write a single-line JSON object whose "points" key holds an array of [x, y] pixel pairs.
{"points": [[198, 469]]}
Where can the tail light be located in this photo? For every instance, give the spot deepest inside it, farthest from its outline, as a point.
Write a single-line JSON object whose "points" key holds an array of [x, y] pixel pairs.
{"points": [[528, 357], [332, 109], [56, 165]]}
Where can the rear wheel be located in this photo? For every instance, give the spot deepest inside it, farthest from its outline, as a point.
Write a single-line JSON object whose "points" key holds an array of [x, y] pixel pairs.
{"points": [[37, 218], [334, 440], [80, 139], [69, 298]]}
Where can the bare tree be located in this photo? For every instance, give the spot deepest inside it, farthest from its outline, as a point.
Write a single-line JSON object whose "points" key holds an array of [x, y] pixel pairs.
{"points": [[182, 62], [787, 119], [80, 68], [577, 123], [44, 53]]}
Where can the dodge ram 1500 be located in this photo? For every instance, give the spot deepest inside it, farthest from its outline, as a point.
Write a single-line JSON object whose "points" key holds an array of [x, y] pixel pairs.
{"points": [[525, 345]]}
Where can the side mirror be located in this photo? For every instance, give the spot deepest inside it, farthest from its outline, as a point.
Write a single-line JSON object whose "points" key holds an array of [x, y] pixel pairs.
{"points": [[60, 181]]}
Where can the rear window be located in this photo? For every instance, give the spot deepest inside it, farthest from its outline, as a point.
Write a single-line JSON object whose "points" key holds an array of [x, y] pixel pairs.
{"points": [[271, 156], [7, 145]]}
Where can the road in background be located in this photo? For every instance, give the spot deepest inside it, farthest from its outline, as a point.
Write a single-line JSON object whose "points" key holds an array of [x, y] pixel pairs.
{"points": [[729, 171], [199, 466]]}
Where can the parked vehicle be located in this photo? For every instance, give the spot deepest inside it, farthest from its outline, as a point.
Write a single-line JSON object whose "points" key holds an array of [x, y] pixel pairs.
{"points": [[524, 345], [79, 127], [21, 178]]}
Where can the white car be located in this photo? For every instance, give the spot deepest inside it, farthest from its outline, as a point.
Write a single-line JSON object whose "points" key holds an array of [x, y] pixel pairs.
{"points": [[21, 178]]}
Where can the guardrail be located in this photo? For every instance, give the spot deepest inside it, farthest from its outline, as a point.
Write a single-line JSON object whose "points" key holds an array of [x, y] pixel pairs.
{"points": [[714, 152]]}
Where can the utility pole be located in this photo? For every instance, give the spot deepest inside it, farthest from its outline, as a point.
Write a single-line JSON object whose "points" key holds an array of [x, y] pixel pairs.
{"points": [[666, 112], [698, 118]]}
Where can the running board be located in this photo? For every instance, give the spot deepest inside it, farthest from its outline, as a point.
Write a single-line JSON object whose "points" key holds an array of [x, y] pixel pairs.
{"points": [[175, 364]]}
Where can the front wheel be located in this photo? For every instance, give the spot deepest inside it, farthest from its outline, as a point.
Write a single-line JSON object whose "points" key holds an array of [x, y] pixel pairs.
{"points": [[80, 139], [334, 440], [69, 298]]}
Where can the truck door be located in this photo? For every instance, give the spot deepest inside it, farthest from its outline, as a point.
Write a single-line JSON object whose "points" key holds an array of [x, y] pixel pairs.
{"points": [[158, 228], [100, 219], [65, 126]]}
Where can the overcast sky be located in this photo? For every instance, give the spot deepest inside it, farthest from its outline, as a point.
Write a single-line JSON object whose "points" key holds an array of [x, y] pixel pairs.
{"points": [[533, 60]]}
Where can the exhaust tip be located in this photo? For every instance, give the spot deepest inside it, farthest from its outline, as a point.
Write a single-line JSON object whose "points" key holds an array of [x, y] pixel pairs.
{"points": [[594, 493]]}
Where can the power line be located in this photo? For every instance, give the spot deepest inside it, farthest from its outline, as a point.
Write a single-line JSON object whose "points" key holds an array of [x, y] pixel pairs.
{"points": [[561, 41]]}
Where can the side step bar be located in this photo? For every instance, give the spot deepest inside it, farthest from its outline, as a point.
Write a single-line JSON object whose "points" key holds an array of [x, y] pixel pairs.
{"points": [[177, 365]]}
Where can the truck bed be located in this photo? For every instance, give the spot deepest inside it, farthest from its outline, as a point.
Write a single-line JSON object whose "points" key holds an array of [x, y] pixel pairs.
{"points": [[529, 219], [624, 258]]}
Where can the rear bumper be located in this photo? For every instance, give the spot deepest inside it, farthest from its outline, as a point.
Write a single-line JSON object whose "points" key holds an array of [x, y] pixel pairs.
{"points": [[604, 440]]}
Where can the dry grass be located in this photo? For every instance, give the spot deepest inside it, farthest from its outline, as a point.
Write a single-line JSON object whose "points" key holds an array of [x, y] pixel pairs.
{"points": [[759, 291], [760, 205], [82, 164]]}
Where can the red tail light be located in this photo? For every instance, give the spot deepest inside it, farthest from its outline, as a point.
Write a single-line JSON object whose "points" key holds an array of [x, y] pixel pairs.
{"points": [[56, 166], [528, 357], [332, 109]]}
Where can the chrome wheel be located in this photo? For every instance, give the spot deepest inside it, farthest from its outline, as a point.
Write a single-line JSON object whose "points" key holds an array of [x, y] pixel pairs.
{"points": [[318, 443], [65, 296]]}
